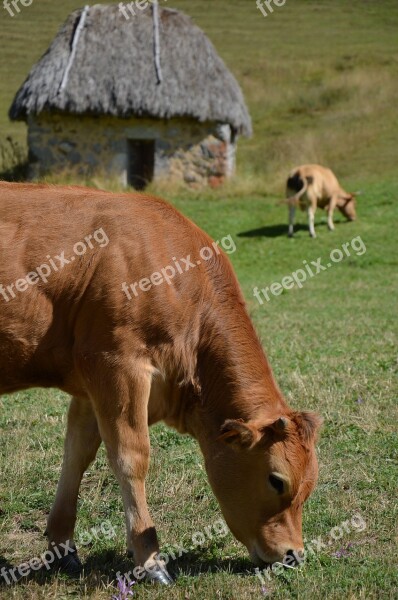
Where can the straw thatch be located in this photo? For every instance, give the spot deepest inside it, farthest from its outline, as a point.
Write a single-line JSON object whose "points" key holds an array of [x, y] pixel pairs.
{"points": [[113, 71]]}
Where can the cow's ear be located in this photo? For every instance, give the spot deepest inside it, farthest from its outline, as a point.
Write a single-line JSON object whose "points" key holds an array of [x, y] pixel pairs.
{"points": [[277, 428], [281, 425], [308, 424], [239, 434]]}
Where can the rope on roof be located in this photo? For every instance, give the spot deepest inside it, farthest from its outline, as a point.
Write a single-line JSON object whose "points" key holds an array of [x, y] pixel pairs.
{"points": [[75, 42], [156, 41]]}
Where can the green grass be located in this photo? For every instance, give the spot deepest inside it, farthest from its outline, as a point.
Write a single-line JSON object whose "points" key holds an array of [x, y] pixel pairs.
{"points": [[330, 343], [320, 80]]}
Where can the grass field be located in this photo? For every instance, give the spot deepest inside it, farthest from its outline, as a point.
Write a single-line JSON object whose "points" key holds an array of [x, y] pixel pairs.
{"points": [[320, 79]]}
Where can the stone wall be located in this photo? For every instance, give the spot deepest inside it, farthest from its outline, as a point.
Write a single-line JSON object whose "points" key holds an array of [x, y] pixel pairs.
{"points": [[197, 153]]}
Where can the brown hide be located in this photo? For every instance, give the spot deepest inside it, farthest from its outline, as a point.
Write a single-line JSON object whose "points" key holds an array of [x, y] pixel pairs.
{"points": [[184, 352]]}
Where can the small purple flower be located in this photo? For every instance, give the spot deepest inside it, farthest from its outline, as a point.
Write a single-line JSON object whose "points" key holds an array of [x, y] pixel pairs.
{"points": [[124, 587], [359, 400], [264, 590]]}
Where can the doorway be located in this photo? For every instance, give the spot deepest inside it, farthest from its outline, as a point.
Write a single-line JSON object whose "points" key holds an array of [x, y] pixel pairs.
{"points": [[141, 163]]}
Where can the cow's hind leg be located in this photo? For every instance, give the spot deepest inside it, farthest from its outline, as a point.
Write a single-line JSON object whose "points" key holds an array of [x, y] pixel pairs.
{"points": [[121, 404], [81, 445], [292, 214]]}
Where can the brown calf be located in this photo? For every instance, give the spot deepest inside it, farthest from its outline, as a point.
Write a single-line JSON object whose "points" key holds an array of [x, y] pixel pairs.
{"points": [[184, 352], [310, 186]]}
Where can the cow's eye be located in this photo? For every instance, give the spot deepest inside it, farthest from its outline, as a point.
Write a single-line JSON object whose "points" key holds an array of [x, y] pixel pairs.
{"points": [[277, 483]]}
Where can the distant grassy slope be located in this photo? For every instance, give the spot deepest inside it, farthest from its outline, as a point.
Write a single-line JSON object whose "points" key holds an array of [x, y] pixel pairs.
{"points": [[320, 78]]}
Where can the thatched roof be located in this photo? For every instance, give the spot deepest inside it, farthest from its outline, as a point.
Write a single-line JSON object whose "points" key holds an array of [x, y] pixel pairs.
{"points": [[113, 71]]}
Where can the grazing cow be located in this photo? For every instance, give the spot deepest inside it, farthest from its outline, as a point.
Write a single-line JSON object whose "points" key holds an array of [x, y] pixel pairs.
{"points": [[182, 350], [310, 186]]}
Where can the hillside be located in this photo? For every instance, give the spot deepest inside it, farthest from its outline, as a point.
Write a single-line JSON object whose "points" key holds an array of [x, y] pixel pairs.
{"points": [[320, 78]]}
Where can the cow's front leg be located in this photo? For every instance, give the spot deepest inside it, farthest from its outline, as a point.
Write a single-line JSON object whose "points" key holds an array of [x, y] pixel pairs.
{"points": [[311, 218], [122, 413], [331, 207], [81, 445]]}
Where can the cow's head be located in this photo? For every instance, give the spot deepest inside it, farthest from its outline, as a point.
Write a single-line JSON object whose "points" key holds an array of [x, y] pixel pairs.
{"points": [[262, 472], [346, 205]]}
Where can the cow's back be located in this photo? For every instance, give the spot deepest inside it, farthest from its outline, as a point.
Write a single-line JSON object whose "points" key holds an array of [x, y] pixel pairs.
{"points": [[323, 180], [81, 307]]}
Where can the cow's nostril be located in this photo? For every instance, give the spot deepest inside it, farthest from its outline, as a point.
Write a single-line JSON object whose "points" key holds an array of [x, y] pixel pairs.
{"points": [[297, 556]]}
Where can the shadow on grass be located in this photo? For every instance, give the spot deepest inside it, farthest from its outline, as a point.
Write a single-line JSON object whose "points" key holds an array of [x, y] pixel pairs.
{"points": [[194, 563], [5, 566], [102, 568], [273, 231]]}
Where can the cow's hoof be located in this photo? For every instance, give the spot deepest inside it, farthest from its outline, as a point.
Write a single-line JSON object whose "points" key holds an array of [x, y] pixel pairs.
{"points": [[159, 575], [69, 565]]}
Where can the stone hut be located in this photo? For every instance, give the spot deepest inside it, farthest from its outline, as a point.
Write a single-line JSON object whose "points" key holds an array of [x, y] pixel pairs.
{"points": [[137, 98]]}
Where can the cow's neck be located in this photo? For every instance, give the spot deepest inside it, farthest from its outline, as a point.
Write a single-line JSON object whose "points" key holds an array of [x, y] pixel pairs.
{"points": [[235, 378]]}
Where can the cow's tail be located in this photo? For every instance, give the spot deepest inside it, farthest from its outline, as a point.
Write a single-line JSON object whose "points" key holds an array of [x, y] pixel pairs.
{"points": [[297, 184]]}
